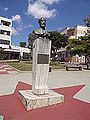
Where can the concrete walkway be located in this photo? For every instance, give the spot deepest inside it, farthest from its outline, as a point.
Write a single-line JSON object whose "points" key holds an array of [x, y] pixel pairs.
{"points": [[57, 79]]}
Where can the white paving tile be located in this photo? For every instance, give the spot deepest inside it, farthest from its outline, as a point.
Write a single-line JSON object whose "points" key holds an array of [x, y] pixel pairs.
{"points": [[2, 70], [83, 94]]}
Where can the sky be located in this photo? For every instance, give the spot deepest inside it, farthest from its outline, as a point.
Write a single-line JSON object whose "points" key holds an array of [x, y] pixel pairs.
{"points": [[58, 13]]}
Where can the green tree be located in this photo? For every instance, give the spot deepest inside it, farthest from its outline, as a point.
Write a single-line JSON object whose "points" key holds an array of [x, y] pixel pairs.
{"points": [[79, 46], [2, 56], [58, 40], [74, 47], [22, 44], [87, 21], [30, 40]]}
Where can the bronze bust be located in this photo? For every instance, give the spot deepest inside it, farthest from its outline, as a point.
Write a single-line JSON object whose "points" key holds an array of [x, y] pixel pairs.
{"points": [[41, 32]]}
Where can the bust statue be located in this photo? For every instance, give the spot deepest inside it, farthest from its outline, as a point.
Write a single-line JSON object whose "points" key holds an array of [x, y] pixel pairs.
{"points": [[41, 32]]}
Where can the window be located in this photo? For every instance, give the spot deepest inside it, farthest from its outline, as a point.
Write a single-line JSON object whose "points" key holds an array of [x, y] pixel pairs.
{"points": [[5, 23], [8, 33], [72, 33], [5, 32], [1, 31], [6, 42]]}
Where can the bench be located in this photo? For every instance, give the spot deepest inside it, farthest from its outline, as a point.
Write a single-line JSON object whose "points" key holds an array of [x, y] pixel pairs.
{"points": [[75, 67]]}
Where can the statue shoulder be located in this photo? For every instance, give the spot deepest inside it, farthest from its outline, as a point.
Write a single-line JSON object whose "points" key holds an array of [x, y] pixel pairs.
{"points": [[40, 33], [37, 32], [48, 34]]}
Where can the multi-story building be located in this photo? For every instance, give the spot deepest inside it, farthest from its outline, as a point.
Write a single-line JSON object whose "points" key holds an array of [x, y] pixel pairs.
{"points": [[75, 32], [7, 50], [5, 32]]}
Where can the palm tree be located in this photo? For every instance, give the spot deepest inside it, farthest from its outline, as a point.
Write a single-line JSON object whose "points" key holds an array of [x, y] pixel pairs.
{"points": [[87, 23]]}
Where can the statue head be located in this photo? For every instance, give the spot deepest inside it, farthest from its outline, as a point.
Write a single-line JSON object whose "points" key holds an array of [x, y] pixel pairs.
{"points": [[42, 22]]}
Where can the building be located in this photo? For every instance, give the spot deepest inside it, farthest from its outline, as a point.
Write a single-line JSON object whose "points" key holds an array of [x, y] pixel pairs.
{"points": [[5, 32], [63, 55], [7, 50], [78, 59], [75, 32], [64, 31]]}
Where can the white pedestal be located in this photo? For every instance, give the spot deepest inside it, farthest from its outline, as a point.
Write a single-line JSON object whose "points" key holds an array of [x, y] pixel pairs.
{"points": [[40, 95], [32, 101], [41, 55]]}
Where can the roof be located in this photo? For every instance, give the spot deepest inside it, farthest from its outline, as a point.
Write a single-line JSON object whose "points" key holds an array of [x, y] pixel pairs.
{"points": [[66, 28], [11, 50], [6, 19], [62, 50]]}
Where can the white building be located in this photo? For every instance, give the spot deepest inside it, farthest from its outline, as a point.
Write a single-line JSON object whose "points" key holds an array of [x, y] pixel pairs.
{"points": [[64, 31], [5, 32], [75, 32], [9, 51], [80, 31]]}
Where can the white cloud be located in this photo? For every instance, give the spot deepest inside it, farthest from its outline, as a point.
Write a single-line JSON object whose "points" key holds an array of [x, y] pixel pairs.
{"points": [[17, 18], [49, 1], [5, 9], [14, 32], [39, 9], [19, 28], [28, 26]]}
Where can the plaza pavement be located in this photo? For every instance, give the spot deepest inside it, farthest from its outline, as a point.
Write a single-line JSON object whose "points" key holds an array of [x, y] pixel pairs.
{"points": [[67, 83], [6, 69], [57, 79]]}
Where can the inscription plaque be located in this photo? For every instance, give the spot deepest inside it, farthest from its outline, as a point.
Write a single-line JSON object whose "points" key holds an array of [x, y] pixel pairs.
{"points": [[43, 59]]}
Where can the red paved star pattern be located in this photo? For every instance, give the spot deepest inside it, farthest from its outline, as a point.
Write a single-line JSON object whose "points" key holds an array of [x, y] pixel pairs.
{"points": [[72, 109]]}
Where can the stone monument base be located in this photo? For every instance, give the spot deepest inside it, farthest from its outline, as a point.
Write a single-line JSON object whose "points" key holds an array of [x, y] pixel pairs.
{"points": [[32, 101]]}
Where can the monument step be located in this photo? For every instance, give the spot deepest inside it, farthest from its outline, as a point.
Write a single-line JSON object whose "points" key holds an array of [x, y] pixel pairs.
{"points": [[32, 101]]}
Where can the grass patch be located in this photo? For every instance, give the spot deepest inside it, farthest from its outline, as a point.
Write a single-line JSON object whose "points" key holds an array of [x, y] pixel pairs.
{"points": [[28, 62], [58, 66], [55, 65], [27, 65], [22, 66]]}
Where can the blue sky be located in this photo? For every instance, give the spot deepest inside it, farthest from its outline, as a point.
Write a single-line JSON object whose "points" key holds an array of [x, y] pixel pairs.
{"points": [[59, 14]]}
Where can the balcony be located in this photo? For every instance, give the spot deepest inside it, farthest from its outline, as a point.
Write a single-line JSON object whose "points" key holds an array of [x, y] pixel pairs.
{"points": [[5, 37], [4, 46], [3, 27]]}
